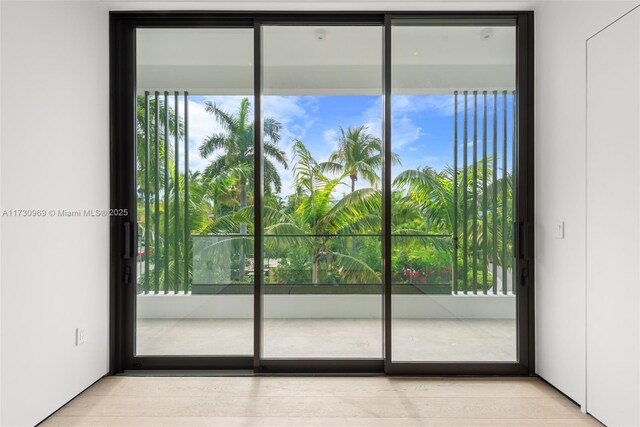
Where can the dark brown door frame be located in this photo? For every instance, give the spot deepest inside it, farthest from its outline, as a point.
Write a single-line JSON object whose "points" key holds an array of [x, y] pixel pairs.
{"points": [[123, 195]]}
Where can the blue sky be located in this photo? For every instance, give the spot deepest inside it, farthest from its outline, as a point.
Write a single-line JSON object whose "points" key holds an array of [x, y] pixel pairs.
{"points": [[422, 126]]}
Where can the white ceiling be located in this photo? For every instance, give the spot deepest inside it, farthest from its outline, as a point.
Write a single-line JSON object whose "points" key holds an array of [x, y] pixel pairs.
{"points": [[348, 60], [169, 46]]}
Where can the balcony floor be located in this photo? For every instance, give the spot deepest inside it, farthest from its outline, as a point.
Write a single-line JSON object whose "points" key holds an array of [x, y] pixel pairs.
{"points": [[413, 339]]}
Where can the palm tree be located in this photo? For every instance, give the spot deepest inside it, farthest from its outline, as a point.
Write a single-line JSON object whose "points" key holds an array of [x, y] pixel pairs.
{"points": [[235, 153], [319, 213], [358, 154], [314, 211], [431, 193]]}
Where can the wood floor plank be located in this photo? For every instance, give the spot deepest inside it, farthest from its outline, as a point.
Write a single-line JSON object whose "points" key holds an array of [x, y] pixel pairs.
{"points": [[319, 401], [300, 421], [297, 386], [318, 406]]}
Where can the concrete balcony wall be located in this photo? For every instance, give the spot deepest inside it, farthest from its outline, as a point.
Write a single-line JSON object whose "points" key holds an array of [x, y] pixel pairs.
{"points": [[181, 306]]}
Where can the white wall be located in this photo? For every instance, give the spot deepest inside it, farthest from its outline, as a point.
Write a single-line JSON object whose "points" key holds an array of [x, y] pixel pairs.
{"points": [[0, 225], [54, 155], [561, 32], [613, 246]]}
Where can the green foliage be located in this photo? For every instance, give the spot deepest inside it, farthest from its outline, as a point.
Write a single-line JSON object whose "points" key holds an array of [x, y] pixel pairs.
{"points": [[359, 154], [421, 257], [327, 231], [231, 151], [294, 267]]}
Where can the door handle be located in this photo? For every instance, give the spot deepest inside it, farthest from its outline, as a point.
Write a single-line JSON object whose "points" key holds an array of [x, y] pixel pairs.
{"points": [[522, 235], [523, 249]]}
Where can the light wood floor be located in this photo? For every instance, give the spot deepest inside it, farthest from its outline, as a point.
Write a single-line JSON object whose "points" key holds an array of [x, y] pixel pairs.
{"points": [[319, 401]]}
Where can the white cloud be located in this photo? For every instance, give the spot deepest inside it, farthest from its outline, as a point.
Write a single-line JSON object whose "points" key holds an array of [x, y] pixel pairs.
{"points": [[201, 125], [331, 137], [441, 105], [292, 112], [283, 108], [296, 114], [372, 118], [404, 131]]}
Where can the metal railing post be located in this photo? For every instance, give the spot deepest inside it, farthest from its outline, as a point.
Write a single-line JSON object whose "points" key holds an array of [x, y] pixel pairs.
{"points": [[494, 204], [147, 167], [514, 174], [485, 240], [465, 198], [187, 228], [474, 190], [505, 222], [156, 228], [454, 232], [165, 243], [176, 194]]}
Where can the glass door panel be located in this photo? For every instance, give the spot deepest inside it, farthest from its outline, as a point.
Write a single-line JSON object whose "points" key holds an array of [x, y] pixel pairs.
{"points": [[322, 110], [319, 253], [452, 105], [194, 187]]}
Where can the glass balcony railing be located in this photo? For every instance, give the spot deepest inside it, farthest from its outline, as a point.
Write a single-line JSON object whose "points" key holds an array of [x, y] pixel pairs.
{"points": [[422, 262], [322, 264]]}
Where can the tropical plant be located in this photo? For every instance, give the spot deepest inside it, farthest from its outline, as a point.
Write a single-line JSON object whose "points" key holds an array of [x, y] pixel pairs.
{"points": [[316, 221], [234, 153], [319, 214], [431, 194], [146, 123], [156, 134], [233, 148], [359, 154]]}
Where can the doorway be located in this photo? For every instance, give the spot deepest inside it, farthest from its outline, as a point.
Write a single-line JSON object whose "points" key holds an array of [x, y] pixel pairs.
{"points": [[322, 192]]}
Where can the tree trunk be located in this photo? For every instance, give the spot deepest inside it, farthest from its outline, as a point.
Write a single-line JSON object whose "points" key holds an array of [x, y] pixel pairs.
{"points": [[243, 230], [316, 267]]}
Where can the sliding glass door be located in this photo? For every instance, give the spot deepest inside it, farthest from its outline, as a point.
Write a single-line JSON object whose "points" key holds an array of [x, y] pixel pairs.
{"points": [[322, 192], [194, 174], [452, 123], [322, 104]]}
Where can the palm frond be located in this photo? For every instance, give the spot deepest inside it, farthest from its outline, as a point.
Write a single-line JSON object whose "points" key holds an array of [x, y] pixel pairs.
{"points": [[223, 118], [270, 150], [353, 270], [212, 143], [271, 177]]}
